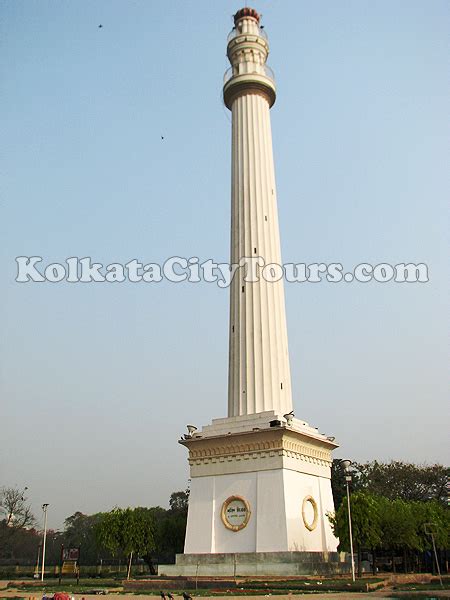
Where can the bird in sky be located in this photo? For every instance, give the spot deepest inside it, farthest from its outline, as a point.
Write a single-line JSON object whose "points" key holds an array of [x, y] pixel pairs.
{"points": [[100, 26], [162, 137]]}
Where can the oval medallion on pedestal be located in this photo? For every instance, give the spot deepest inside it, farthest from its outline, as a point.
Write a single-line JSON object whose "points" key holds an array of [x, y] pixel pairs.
{"points": [[310, 514]]}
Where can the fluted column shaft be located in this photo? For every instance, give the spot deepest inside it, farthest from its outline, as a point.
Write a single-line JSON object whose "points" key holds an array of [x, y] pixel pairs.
{"points": [[259, 373]]}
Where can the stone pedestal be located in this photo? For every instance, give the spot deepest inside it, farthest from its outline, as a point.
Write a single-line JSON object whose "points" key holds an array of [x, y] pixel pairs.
{"points": [[259, 485]]}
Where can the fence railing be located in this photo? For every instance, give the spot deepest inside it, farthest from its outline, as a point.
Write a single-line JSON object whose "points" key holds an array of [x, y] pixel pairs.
{"points": [[259, 70], [234, 33]]}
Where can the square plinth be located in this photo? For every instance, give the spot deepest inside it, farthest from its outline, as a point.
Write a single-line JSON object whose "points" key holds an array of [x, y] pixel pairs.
{"points": [[258, 564], [259, 491]]}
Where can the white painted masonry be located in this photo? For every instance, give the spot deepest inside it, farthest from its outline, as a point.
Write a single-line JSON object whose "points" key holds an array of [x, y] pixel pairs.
{"points": [[280, 466], [274, 466], [275, 524], [259, 374]]}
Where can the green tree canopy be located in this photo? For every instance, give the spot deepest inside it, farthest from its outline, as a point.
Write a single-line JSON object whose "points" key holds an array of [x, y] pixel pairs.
{"points": [[366, 522], [338, 484], [404, 481], [127, 530], [431, 516], [398, 524], [79, 531], [179, 501], [395, 480]]}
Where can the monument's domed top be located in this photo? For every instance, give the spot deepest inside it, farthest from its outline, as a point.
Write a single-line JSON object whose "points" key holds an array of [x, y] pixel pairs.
{"points": [[245, 13]]}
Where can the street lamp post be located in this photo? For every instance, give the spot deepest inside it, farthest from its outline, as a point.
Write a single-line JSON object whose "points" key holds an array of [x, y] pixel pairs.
{"points": [[346, 465], [44, 508]]}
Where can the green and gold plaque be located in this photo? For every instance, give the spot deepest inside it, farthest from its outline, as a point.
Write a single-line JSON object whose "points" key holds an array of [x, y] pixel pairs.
{"points": [[235, 513]]}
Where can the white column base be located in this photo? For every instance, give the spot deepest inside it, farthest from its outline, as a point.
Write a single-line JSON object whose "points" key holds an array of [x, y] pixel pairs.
{"points": [[284, 477]]}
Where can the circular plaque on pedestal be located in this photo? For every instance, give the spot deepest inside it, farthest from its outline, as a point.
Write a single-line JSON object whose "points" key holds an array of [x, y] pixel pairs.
{"points": [[235, 513], [309, 513]]}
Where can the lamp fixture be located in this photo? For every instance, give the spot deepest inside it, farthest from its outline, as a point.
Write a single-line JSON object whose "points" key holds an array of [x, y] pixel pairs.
{"points": [[289, 417]]}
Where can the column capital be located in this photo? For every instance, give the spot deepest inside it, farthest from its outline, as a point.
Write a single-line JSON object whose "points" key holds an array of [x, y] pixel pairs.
{"points": [[247, 51]]}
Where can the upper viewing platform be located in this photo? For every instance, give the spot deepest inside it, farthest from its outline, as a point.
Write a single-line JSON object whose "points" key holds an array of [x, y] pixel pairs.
{"points": [[235, 32], [249, 23], [247, 51]]}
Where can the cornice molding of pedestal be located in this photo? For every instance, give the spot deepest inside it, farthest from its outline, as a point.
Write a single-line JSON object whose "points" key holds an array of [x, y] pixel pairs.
{"points": [[281, 446]]}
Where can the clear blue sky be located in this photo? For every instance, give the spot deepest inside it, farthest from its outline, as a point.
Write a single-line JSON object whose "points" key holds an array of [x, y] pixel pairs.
{"points": [[99, 380]]}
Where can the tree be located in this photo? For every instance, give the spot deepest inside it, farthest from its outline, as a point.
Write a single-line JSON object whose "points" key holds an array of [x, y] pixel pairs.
{"points": [[366, 524], [20, 546], [394, 480], [404, 481], [398, 527], [14, 509], [435, 515], [179, 502], [397, 524], [174, 525], [338, 483], [130, 531], [15, 519], [172, 533], [169, 529], [79, 531]]}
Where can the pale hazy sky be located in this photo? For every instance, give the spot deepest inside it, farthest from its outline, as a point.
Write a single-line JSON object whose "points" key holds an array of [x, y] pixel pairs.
{"points": [[99, 380]]}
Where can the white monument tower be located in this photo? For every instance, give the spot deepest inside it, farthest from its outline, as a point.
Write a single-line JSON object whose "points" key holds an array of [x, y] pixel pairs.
{"points": [[260, 478]]}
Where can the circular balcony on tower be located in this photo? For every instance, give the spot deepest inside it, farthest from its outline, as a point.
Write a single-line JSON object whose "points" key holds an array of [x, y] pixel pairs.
{"points": [[259, 79], [247, 51]]}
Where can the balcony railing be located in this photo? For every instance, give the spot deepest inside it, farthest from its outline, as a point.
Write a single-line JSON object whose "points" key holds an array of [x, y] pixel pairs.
{"points": [[263, 70], [234, 33]]}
